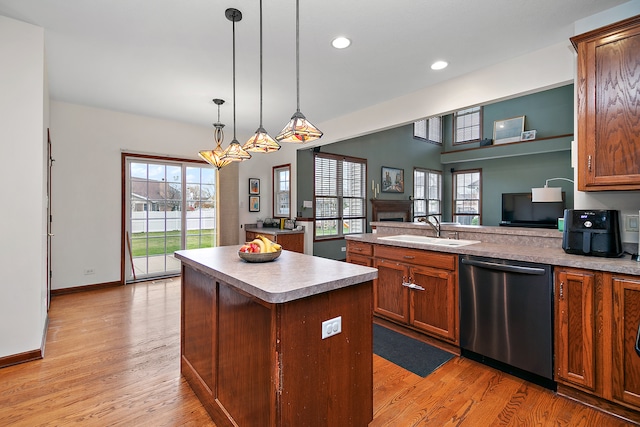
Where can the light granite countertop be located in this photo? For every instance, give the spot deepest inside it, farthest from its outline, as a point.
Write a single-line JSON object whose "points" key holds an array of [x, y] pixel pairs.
{"points": [[533, 245], [291, 276]]}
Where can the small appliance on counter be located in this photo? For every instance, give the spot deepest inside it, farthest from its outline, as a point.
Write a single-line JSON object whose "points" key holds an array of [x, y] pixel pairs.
{"points": [[592, 232]]}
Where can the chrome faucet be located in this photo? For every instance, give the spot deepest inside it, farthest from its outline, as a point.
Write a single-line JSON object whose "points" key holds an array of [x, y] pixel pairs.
{"points": [[436, 226]]}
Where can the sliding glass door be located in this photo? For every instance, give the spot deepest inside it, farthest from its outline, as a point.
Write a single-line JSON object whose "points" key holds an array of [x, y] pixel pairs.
{"points": [[171, 205]]}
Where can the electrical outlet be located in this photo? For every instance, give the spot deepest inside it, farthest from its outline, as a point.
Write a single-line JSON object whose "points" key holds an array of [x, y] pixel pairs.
{"points": [[331, 327], [343, 249], [88, 271]]}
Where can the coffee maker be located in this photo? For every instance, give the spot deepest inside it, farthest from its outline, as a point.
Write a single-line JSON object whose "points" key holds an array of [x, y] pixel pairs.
{"points": [[592, 232]]}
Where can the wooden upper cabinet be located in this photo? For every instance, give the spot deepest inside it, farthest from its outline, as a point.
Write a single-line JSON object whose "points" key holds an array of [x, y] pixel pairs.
{"points": [[608, 86]]}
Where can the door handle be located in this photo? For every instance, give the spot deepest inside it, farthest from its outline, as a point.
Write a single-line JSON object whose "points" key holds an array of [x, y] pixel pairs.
{"points": [[638, 341]]}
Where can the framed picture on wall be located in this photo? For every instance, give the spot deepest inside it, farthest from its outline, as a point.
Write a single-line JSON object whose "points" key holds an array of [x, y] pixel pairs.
{"points": [[254, 203], [254, 186], [392, 180]]}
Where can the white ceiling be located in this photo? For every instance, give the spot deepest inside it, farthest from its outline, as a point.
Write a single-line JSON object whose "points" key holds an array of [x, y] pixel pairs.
{"points": [[169, 58]]}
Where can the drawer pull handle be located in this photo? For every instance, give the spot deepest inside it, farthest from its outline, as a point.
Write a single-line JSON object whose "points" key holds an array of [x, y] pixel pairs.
{"points": [[562, 290], [408, 257], [412, 285]]}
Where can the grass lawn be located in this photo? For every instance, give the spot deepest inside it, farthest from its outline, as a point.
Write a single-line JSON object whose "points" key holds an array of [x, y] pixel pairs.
{"points": [[156, 242]]}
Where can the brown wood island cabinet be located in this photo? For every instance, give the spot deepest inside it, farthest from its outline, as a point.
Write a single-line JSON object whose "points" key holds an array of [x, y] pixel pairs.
{"points": [[597, 325], [255, 343], [608, 131], [289, 240], [415, 288]]}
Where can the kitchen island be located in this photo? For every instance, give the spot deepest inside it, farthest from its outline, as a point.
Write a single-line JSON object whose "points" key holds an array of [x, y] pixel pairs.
{"points": [[251, 338]]}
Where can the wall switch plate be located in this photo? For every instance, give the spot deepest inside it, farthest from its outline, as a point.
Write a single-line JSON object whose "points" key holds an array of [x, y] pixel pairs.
{"points": [[343, 249], [331, 327], [631, 223]]}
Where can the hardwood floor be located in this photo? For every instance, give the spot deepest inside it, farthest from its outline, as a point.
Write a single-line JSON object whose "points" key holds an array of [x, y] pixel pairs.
{"points": [[112, 358]]}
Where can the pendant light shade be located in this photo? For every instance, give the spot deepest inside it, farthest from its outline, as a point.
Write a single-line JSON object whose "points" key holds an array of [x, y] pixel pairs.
{"points": [[548, 194], [234, 152], [261, 142], [299, 129], [214, 157]]}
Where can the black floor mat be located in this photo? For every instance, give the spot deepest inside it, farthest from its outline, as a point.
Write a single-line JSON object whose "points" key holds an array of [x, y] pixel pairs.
{"points": [[412, 355]]}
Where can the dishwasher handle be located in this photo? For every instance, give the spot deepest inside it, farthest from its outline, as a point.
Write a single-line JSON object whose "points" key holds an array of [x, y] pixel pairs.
{"points": [[537, 271]]}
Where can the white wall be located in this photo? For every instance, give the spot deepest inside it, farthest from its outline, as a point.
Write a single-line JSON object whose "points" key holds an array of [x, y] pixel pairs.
{"points": [[23, 249], [86, 197], [260, 166]]}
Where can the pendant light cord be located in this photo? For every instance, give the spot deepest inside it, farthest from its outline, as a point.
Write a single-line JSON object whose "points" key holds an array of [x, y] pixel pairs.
{"points": [[298, 54], [234, 78], [260, 63]]}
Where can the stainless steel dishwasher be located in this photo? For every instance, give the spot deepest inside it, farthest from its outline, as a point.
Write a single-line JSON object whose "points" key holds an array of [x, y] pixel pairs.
{"points": [[506, 315]]}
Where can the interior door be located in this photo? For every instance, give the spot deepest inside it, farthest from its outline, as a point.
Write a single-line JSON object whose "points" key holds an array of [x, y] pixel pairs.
{"points": [[50, 161]]}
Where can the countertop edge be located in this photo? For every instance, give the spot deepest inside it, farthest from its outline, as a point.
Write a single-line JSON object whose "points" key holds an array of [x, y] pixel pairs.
{"points": [[271, 282]]}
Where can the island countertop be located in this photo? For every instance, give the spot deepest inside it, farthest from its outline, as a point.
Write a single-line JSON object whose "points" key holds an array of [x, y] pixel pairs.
{"points": [[291, 276]]}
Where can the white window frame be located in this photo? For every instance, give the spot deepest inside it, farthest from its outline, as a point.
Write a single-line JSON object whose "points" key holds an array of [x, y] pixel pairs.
{"points": [[333, 197], [429, 130], [467, 196], [282, 191], [427, 193], [467, 125]]}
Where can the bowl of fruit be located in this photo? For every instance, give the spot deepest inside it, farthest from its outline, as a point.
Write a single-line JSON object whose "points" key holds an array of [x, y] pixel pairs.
{"points": [[260, 249]]}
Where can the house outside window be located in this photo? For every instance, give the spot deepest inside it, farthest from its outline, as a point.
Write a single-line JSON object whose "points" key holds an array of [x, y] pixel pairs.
{"points": [[427, 193], [467, 125], [429, 130], [467, 194], [339, 196]]}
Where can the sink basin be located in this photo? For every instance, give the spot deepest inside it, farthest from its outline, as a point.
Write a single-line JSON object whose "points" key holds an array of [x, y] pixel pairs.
{"points": [[409, 238]]}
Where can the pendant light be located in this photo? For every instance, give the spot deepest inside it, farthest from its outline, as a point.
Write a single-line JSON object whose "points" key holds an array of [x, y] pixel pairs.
{"points": [[261, 142], [234, 151], [299, 129], [214, 157]]}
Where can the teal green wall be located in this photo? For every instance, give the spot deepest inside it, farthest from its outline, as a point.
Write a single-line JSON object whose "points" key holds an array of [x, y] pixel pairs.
{"points": [[550, 113]]}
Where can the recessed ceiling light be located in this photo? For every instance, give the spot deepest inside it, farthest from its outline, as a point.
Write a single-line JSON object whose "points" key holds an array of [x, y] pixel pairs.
{"points": [[439, 65], [341, 42]]}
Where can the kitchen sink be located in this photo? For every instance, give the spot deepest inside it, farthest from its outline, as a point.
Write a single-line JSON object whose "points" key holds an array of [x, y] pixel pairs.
{"points": [[437, 241]]}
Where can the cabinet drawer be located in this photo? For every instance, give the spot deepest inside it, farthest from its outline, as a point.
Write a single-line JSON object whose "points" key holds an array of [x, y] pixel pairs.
{"points": [[417, 256], [360, 248]]}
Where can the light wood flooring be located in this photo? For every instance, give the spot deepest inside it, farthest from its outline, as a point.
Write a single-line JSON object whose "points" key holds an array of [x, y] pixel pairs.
{"points": [[112, 359]]}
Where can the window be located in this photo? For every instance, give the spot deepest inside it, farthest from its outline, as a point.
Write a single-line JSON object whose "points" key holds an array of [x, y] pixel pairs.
{"points": [[170, 205], [467, 193], [340, 195], [428, 129], [467, 125], [427, 193], [281, 191]]}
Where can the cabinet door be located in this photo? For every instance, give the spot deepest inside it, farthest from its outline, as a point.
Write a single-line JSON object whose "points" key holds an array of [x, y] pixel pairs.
{"points": [[250, 235], [626, 321], [608, 107], [390, 297], [575, 327], [291, 242], [434, 310]]}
